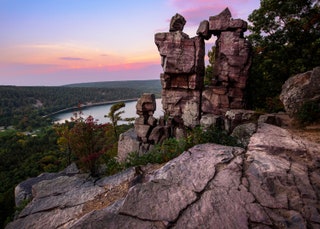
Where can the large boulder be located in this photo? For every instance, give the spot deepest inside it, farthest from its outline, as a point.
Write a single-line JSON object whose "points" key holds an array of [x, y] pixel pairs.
{"points": [[177, 23], [128, 143], [300, 89]]}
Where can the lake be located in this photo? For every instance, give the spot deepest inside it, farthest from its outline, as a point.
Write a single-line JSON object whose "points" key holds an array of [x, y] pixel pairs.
{"points": [[98, 112]]}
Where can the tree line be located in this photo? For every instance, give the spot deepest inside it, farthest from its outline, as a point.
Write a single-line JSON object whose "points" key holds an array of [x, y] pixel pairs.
{"points": [[24, 107]]}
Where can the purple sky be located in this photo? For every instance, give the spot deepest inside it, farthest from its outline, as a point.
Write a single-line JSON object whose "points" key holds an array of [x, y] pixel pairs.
{"points": [[71, 41]]}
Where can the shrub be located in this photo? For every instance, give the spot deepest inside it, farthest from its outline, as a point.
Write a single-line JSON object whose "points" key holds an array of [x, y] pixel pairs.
{"points": [[309, 112], [172, 147]]}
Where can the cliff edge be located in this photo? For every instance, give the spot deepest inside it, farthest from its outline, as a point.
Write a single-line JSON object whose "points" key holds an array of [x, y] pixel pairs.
{"points": [[275, 183]]}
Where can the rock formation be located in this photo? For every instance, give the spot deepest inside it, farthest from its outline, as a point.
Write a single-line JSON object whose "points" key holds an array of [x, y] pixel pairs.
{"points": [[184, 98], [186, 102], [232, 63], [274, 184], [182, 59], [300, 89]]}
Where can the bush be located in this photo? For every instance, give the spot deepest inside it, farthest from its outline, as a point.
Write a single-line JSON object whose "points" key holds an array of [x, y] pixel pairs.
{"points": [[309, 112], [172, 147]]}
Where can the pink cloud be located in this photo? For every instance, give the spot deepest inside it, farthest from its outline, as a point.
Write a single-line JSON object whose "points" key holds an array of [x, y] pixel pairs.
{"points": [[196, 11], [52, 75], [73, 58]]}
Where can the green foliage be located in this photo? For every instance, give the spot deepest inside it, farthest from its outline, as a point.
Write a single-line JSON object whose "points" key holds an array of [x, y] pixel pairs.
{"points": [[87, 140], [23, 204], [23, 156], [211, 135], [308, 113], [286, 41], [209, 74], [26, 107], [172, 147], [161, 153]]}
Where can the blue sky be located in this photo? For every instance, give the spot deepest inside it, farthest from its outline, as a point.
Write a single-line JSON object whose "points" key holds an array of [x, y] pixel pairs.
{"points": [[56, 42]]}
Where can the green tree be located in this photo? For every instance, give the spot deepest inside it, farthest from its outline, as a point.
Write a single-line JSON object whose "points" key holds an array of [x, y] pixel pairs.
{"points": [[88, 141], [209, 69], [115, 115], [63, 131], [286, 41]]}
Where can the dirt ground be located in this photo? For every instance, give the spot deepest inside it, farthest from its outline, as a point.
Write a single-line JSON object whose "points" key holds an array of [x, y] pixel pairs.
{"points": [[309, 132]]}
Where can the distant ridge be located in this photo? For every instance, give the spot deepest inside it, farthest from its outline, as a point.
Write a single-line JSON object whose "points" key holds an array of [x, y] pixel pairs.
{"points": [[129, 83]]}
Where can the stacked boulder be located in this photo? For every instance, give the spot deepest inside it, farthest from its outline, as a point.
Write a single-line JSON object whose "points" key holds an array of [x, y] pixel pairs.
{"points": [[182, 60], [148, 130], [232, 63]]}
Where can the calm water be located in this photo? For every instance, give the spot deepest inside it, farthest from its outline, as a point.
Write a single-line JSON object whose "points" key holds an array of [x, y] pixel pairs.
{"points": [[98, 112]]}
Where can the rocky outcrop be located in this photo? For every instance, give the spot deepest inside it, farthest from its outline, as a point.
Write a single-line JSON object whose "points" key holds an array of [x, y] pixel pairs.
{"points": [[274, 184], [182, 60], [300, 89], [232, 63], [184, 98], [128, 143]]}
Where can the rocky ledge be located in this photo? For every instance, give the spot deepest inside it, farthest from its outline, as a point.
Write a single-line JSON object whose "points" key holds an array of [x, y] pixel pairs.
{"points": [[275, 183]]}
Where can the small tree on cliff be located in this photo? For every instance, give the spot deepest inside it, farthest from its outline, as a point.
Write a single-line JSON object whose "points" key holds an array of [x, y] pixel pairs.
{"points": [[115, 115], [88, 141], [85, 140], [286, 41]]}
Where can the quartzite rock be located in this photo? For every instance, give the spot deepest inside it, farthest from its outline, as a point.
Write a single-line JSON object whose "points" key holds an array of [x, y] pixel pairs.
{"points": [[146, 105], [182, 59], [275, 184], [177, 23], [299, 89], [128, 142], [203, 30]]}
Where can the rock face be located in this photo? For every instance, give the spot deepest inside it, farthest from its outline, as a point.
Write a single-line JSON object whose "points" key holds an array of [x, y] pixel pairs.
{"points": [[128, 142], [274, 184], [300, 89]]}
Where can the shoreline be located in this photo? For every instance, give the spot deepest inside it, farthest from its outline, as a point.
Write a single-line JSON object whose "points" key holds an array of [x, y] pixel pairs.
{"points": [[89, 105]]}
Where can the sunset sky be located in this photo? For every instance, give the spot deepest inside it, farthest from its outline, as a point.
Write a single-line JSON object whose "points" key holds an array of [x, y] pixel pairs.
{"points": [[57, 42]]}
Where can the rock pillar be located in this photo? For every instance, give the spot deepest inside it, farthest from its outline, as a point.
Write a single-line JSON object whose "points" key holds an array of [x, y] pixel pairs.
{"points": [[232, 63], [182, 60]]}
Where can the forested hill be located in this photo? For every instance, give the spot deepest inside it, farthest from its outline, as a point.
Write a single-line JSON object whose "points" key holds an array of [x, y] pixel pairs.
{"points": [[150, 86], [23, 106]]}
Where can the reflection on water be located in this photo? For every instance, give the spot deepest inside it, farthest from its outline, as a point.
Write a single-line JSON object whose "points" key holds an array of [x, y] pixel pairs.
{"points": [[98, 112]]}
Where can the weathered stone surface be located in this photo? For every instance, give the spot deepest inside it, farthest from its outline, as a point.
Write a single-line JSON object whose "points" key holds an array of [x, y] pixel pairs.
{"points": [[220, 22], [177, 23], [177, 52], [209, 120], [203, 30], [146, 105], [157, 134], [236, 117], [56, 202], [177, 182], [174, 101], [142, 131], [299, 89], [278, 175], [23, 191], [274, 184], [244, 132], [270, 119], [128, 142], [191, 114]]}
